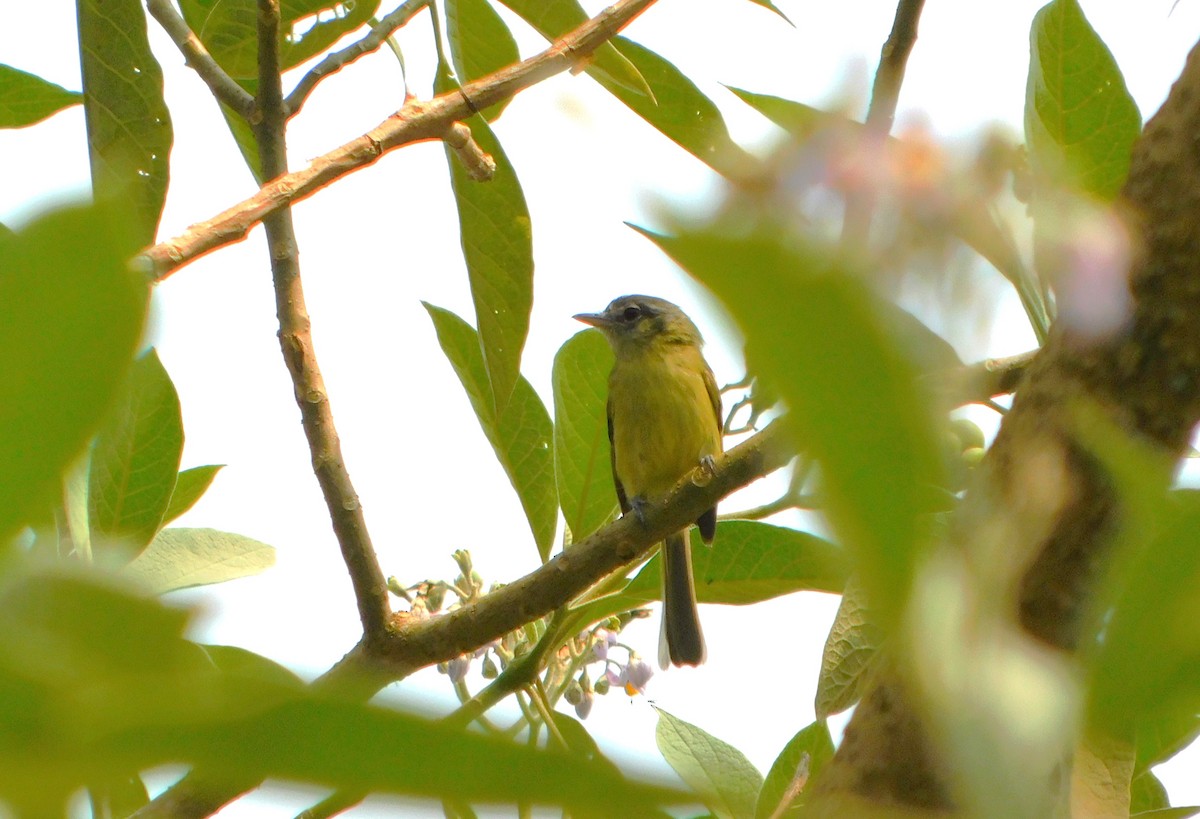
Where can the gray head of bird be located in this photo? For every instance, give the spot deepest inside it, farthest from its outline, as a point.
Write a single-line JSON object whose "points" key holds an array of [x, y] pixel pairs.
{"points": [[643, 320]]}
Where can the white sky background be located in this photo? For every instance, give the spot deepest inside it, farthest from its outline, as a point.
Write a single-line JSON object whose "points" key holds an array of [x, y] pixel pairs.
{"points": [[378, 242]]}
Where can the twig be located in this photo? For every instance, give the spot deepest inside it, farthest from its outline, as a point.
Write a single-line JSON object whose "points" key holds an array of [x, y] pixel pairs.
{"points": [[415, 122], [337, 60], [222, 86], [414, 645], [882, 112], [295, 340], [479, 165]]}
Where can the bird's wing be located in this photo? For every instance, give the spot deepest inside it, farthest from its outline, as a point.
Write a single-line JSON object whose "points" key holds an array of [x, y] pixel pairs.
{"points": [[612, 455]]}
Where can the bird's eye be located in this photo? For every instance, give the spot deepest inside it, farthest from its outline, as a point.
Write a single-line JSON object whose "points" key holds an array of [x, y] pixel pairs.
{"points": [[631, 313]]}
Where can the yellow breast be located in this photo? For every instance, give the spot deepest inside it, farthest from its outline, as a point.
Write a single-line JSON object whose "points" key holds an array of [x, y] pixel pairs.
{"points": [[663, 418]]}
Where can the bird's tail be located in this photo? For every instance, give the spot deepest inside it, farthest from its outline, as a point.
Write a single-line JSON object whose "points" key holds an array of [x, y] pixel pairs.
{"points": [[681, 642]]}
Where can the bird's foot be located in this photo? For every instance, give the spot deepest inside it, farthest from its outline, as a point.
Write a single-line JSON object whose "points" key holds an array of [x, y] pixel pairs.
{"points": [[638, 507], [706, 471]]}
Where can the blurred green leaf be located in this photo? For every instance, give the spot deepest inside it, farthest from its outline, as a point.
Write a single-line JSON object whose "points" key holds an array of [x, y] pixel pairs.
{"points": [[179, 558], [97, 683], [554, 18], [581, 456], [1159, 740], [1168, 813], [135, 461], [75, 509], [238, 662], [128, 124], [228, 29], [1147, 793], [497, 244], [679, 110], [720, 774], [522, 437], [748, 563], [797, 765], [118, 796], [849, 655], [579, 741], [814, 333], [27, 98], [480, 43], [70, 317], [190, 486], [1148, 666], [1079, 117]]}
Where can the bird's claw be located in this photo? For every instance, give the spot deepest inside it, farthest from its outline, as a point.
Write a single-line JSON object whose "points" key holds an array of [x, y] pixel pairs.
{"points": [[638, 507], [707, 470]]}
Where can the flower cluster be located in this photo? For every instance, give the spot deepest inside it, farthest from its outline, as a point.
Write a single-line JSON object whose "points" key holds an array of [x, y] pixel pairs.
{"points": [[568, 672]]}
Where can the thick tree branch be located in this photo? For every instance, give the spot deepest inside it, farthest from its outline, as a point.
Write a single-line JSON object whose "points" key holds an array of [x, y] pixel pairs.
{"points": [[415, 122], [295, 340], [337, 60], [1043, 492], [882, 113], [411, 645], [223, 87]]}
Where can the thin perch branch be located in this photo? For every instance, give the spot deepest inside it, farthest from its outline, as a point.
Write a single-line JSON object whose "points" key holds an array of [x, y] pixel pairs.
{"points": [[409, 645], [336, 61], [882, 112], [415, 122], [296, 343], [222, 86]]}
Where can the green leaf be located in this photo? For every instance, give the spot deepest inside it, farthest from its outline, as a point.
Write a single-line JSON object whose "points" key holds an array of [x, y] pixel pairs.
{"points": [[797, 765], [128, 125], [238, 662], [119, 795], [1146, 793], [1146, 670], [582, 465], [554, 18], [1079, 117], [229, 31], [243, 136], [749, 562], [679, 110], [97, 683], [190, 486], [814, 334], [497, 245], [180, 558], [75, 508], [521, 437], [134, 462], [798, 119], [579, 741], [1168, 813], [26, 98], [1159, 740], [480, 43], [849, 656], [70, 317], [767, 4], [720, 774]]}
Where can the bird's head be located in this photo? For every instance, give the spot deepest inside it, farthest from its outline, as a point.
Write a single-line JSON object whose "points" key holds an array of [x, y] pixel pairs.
{"points": [[641, 321]]}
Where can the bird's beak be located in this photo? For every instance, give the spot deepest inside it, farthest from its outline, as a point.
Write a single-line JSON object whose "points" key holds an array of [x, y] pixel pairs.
{"points": [[594, 319]]}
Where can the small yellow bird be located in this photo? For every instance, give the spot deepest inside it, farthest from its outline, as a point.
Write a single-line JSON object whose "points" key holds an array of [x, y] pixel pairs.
{"points": [[664, 419]]}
